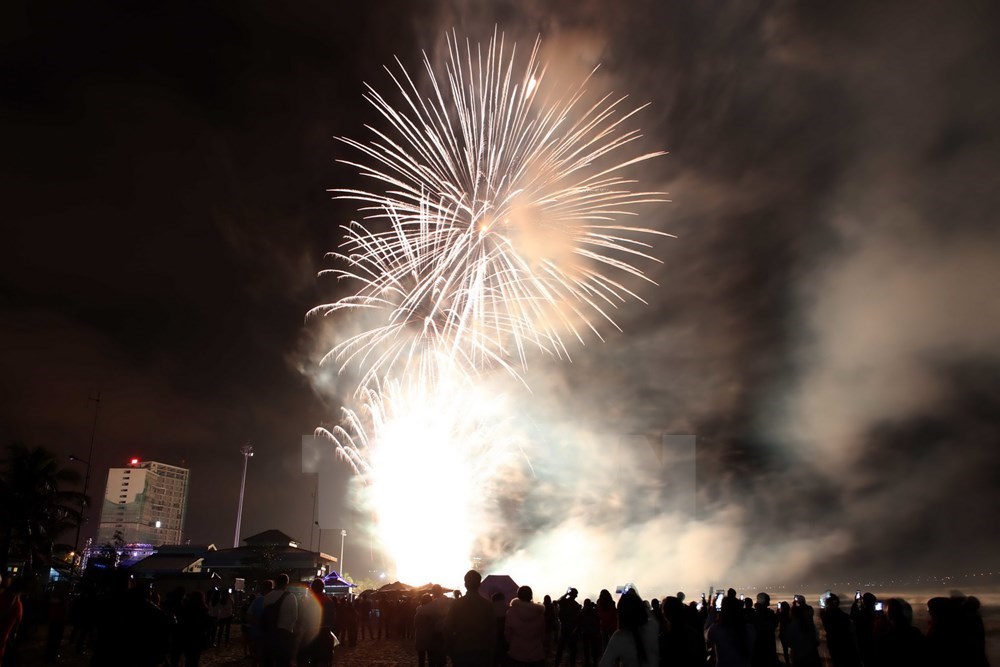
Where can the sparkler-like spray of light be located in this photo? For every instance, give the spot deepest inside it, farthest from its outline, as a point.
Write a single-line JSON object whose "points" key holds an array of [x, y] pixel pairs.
{"points": [[430, 456], [502, 210], [496, 231]]}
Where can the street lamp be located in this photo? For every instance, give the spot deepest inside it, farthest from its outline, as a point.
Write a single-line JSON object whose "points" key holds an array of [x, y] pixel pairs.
{"points": [[247, 452], [84, 503], [343, 534], [86, 483]]}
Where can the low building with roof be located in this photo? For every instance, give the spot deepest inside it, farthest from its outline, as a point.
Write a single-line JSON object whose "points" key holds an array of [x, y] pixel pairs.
{"points": [[266, 555], [173, 566]]}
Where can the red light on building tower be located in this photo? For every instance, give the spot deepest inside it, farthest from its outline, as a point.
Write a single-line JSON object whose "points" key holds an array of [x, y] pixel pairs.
{"points": [[134, 462]]}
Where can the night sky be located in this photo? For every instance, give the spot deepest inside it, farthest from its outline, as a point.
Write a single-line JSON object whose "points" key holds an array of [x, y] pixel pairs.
{"points": [[827, 321]]}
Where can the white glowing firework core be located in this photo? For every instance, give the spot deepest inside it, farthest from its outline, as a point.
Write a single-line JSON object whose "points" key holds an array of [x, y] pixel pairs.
{"points": [[428, 476], [423, 491]]}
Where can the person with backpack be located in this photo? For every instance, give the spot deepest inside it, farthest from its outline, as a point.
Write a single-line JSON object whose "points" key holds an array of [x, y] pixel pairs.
{"points": [[279, 618]]}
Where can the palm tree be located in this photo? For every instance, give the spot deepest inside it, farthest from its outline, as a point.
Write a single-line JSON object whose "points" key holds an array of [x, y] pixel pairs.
{"points": [[35, 505]]}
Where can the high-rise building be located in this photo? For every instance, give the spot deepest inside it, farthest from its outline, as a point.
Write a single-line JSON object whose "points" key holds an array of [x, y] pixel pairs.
{"points": [[145, 503]]}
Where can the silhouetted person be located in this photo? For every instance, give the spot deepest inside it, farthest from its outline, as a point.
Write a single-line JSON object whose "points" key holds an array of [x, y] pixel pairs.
{"points": [[58, 617], [437, 609], [863, 615], [524, 630], [364, 607], [83, 611], [317, 618], [409, 611], [654, 609], [731, 636], [172, 604], [499, 618], [278, 621], [765, 622], [423, 627], [352, 622], [901, 645], [253, 620], [110, 622], [803, 639], [569, 620], [841, 640], [470, 629], [214, 600], [224, 618], [383, 615], [974, 632], [590, 634], [149, 627], [636, 641], [552, 624], [679, 640], [607, 615], [194, 628], [244, 616], [784, 620]]}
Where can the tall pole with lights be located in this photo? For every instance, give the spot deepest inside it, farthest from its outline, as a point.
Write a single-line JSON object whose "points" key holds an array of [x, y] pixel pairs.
{"points": [[247, 452], [340, 565], [86, 484]]}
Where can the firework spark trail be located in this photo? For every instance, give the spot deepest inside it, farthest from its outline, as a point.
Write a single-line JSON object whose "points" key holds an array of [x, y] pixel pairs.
{"points": [[501, 211], [496, 235]]}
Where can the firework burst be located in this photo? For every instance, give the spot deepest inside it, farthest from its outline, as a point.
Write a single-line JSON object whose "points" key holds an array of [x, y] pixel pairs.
{"points": [[497, 229]]}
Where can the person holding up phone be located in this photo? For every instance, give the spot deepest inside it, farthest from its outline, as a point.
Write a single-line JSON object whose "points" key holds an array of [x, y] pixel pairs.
{"points": [[569, 620]]}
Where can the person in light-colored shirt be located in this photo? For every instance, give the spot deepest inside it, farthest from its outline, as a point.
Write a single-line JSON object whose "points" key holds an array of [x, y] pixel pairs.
{"points": [[280, 641], [636, 641]]}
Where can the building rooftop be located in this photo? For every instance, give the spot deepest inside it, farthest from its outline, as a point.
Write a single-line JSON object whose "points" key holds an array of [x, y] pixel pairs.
{"points": [[271, 537]]}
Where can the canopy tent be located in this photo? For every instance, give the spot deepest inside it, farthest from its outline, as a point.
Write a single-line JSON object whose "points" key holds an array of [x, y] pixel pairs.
{"points": [[394, 587], [498, 583], [429, 588], [334, 579]]}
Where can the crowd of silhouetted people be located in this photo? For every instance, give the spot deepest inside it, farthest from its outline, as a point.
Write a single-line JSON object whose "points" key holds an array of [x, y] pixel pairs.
{"points": [[125, 623], [725, 630]]}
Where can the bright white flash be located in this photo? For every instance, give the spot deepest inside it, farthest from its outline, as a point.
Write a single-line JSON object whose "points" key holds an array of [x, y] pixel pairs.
{"points": [[428, 471]]}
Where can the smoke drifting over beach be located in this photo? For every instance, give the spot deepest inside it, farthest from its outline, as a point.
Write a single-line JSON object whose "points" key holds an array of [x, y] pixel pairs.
{"points": [[827, 321]]}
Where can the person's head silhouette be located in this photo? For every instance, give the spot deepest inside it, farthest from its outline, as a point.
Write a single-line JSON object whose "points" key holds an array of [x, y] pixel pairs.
{"points": [[472, 581]]}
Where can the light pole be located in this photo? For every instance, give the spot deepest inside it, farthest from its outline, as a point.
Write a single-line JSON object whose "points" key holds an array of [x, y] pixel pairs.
{"points": [[86, 484], [247, 452], [79, 525], [343, 534]]}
